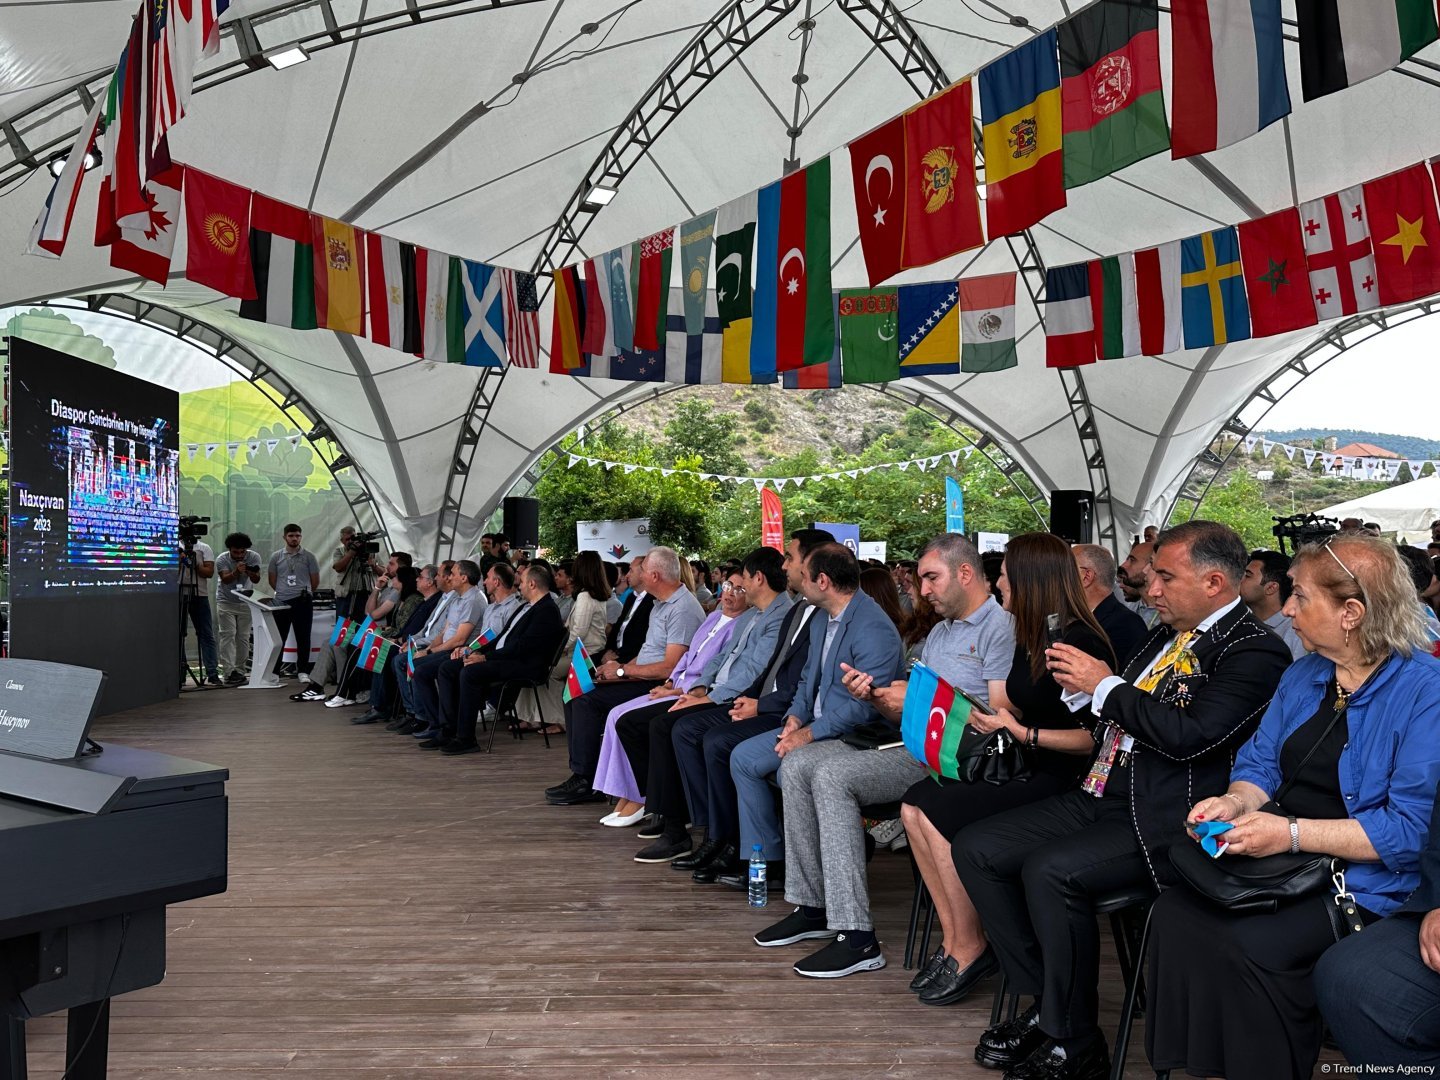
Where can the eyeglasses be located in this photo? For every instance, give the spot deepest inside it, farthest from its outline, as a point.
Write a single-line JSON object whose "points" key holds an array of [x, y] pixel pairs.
{"points": [[727, 587]]}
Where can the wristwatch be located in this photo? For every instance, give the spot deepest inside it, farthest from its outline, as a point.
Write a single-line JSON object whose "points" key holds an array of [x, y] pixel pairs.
{"points": [[619, 672]]}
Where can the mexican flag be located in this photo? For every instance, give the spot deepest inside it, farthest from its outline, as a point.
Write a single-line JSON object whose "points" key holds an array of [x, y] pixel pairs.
{"points": [[932, 721], [581, 679]]}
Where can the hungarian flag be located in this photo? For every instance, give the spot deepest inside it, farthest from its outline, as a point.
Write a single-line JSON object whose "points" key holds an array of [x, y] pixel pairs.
{"points": [[145, 241], [772, 519], [735, 225], [928, 329], [566, 355], [1405, 234], [932, 721], [581, 679], [485, 637], [52, 226], [987, 323], [1069, 320], [651, 271], [1276, 281], [1114, 307], [1157, 293], [394, 292], [282, 258], [339, 276], [1212, 290], [1020, 110], [942, 206], [1343, 42], [217, 226], [522, 317], [868, 319], [341, 632], [877, 169], [483, 314], [1229, 56], [1113, 107], [444, 327], [697, 236], [1339, 255], [377, 654], [794, 322]]}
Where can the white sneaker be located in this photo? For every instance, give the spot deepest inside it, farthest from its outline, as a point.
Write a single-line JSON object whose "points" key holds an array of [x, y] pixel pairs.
{"points": [[338, 702], [615, 821]]}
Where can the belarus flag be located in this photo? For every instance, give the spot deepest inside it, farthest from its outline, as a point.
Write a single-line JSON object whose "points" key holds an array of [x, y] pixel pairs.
{"points": [[1229, 56], [1069, 321]]}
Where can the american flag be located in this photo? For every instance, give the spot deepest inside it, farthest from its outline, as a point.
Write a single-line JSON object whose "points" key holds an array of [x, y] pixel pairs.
{"points": [[182, 32], [522, 318]]}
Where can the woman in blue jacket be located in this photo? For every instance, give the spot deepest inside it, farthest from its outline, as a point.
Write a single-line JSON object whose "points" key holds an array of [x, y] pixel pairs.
{"points": [[1353, 737]]}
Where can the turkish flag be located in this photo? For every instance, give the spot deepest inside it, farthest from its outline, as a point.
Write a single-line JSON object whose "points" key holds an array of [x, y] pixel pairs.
{"points": [[217, 229], [942, 207], [1277, 280], [877, 165], [1404, 234]]}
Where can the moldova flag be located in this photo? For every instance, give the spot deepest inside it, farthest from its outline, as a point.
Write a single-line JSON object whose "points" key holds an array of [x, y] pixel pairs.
{"points": [[933, 720], [794, 324], [486, 637], [1213, 308], [1020, 110], [581, 679]]}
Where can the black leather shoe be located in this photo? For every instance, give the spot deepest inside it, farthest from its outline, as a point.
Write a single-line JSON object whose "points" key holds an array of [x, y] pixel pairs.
{"points": [[458, 746], [739, 879], [571, 783], [370, 716], [1049, 1062], [583, 793], [412, 724], [435, 742], [950, 984], [927, 971], [726, 860], [697, 858], [1012, 1042]]}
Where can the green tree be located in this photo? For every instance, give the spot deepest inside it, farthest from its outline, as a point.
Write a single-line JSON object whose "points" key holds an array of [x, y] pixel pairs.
{"points": [[694, 431], [1239, 503]]}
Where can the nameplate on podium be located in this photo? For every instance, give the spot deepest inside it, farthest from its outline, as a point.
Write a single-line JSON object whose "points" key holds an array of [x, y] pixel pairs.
{"points": [[46, 709]]}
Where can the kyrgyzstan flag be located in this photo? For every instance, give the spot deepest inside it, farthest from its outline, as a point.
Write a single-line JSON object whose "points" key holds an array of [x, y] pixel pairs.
{"points": [[1277, 281], [1403, 231], [217, 226], [877, 167], [339, 276], [794, 321], [942, 207], [933, 720], [652, 288]]}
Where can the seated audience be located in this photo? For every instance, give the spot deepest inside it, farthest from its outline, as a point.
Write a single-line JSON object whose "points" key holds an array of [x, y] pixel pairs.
{"points": [[590, 593], [915, 628], [1134, 578], [390, 686], [615, 605], [993, 560], [407, 600], [1427, 586], [456, 621], [1122, 626], [702, 590], [1266, 590], [880, 587], [1345, 763], [632, 623], [502, 591], [564, 587]]}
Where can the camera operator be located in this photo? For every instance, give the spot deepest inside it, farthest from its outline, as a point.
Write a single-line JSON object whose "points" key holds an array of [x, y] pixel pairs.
{"points": [[197, 567], [239, 570], [354, 561], [294, 576]]}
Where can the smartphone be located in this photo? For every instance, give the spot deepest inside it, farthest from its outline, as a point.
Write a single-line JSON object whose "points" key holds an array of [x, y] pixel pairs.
{"points": [[975, 703], [1053, 630]]}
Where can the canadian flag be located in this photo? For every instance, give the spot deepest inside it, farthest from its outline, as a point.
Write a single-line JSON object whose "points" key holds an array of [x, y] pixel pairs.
{"points": [[1337, 248]]}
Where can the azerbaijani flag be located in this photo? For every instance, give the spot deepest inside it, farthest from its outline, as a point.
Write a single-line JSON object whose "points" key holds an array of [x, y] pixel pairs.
{"points": [[487, 635], [410, 660], [360, 631], [341, 633], [932, 721], [581, 679], [364, 641], [376, 654], [794, 320]]}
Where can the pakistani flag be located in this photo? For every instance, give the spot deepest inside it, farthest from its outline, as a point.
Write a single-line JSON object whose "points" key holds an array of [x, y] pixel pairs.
{"points": [[868, 350], [696, 238], [734, 284]]}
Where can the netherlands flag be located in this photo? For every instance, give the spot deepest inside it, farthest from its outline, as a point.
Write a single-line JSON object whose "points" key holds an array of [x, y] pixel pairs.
{"points": [[1229, 57]]}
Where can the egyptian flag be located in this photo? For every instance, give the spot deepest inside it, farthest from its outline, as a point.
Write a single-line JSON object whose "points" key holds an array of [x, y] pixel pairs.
{"points": [[1404, 234], [282, 258], [877, 169], [217, 224], [794, 319], [1343, 42], [651, 269], [942, 205], [394, 293], [1277, 281], [339, 276], [566, 354], [1229, 56]]}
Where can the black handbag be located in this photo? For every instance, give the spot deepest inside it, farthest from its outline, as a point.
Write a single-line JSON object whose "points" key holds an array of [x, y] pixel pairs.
{"points": [[996, 758], [876, 735]]}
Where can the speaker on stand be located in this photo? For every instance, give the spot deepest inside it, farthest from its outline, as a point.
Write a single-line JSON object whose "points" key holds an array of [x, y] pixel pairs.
{"points": [[522, 522], [1072, 515]]}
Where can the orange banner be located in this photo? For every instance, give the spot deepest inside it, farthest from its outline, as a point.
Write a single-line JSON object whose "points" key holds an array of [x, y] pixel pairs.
{"points": [[772, 520]]}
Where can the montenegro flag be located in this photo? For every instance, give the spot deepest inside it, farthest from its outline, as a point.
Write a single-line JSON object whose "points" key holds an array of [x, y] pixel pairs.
{"points": [[1020, 109]]}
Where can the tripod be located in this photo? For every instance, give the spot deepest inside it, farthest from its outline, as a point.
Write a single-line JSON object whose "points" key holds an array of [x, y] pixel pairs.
{"points": [[190, 679]]}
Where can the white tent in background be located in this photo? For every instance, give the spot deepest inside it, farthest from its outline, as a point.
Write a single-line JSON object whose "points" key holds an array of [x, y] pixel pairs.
{"points": [[1407, 509]]}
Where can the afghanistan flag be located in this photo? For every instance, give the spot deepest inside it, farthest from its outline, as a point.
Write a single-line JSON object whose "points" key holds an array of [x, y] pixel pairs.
{"points": [[869, 352], [581, 679], [339, 276], [282, 256], [987, 323], [375, 656], [1020, 109], [1113, 106], [485, 638], [1343, 42], [735, 225], [794, 322], [932, 721]]}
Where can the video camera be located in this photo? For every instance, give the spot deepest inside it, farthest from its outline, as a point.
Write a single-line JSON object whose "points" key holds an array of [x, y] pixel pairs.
{"points": [[192, 527], [364, 543], [1301, 529]]}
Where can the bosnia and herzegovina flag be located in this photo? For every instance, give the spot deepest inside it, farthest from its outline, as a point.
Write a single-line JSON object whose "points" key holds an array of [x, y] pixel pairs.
{"points": [[932, 720], [581, 679], [794, 322], [1020, 110], [928, 329]]}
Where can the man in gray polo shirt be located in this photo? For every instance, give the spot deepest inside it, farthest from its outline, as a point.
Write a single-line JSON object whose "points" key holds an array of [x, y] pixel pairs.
{"points": [[826, 782]]}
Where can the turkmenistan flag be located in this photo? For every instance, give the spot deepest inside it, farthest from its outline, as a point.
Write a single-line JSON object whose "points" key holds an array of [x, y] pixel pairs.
{"points": [[283, 260], [735, 224], [1343, 42], [932, 721], [1111, 101], [868, 349]]}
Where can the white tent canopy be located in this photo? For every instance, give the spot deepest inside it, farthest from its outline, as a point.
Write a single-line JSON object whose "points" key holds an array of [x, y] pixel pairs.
{"points": [[1407, 508], [382, 128]]}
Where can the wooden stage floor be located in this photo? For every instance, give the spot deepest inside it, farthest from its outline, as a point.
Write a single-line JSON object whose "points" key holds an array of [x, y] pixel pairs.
{"points": [[395, 913]]}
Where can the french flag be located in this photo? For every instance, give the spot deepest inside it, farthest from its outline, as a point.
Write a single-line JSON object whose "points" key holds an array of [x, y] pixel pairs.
{"points": [[1229, 57]]}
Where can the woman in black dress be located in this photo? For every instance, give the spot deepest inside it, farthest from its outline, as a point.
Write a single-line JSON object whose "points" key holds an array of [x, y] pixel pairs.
{"points": [[1038, 578]]}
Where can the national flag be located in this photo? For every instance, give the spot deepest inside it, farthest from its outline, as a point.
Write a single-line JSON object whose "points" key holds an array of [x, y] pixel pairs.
{"points": [[483, 314], [394, 293], [1157, 292], [146, 241], [619, 303], [566, 356], [377, 654], [339, 276], [694, 359], [1114, 108], [282, 257], [485, 637], [877, 169], [942, 205], [987, 323], [1069, 319], [696, 238], [444, 327], [651, 274], [954, 506], [184, 33], [597, 336], [358, 630], [1229, 57], [1272, 252], [634, 365], [928, 329], [932, 720], [522, 317], [1114, 306], [217, 225], [772, 519], [1212, 290], [1343, 42], [581, 679], [1405, 234], [1020, 110], [826, 376], [122, 192], [410, 660], [868, 321], [341, 632], [52, 226], [794, 318], [735, 225], [1338, 253]]}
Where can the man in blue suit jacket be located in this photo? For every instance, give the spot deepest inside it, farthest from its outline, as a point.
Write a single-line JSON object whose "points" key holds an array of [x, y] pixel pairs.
{"points": [[848, 628]]}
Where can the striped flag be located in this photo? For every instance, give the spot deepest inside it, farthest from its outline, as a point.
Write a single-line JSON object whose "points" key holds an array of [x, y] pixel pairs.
{"points": [[1157, 294], [52, 227], [339, 276], [1229, 56], [444, 324], [410, 660], [598, 333], [485, 637], [987, 323], [794, 314], [1069, 320], [341, 632], [1343, 42], [650, 272], [568, 321], [581, 679], [394, 293], [522, 317], [184, 33], [359, 630], [933, 720], [376, 654], [1114, 306], [818, 376]]}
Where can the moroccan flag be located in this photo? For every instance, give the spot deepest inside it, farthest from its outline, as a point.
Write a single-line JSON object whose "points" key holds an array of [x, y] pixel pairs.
{"points": [[942, 206], [1212, 290], [932, 720], [339, 276], [581, 679], [394, 293], [735, 225], [483, 314], [652, 287], [987, 323], [1405, 234], [1020, 110], [569, 319], [377, 654], [1277, 283], [1229, 57], [341, 632], [1069, 319], [1343, 42], [869, 352], [697, 236], [147, 240], [1157, 292], [281, 254], [877, 169], [1338, 253], [772, 519], [485, 637], [794, 321], [1113, 106], [1114, 307], [928, 329], [217, 225]]}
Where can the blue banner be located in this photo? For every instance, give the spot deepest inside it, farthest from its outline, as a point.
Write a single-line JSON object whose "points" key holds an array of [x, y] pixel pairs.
{"points": [[849, 535], [954, 506]]}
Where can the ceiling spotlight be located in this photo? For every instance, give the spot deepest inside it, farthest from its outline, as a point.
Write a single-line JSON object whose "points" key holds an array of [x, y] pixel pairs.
{"points": [[56, 164], [281, 59], [599, 195]]}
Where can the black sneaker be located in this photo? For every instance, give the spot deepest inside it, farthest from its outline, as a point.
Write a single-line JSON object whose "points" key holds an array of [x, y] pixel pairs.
{"points": [[840, 958], [235, 678], [928, 972], [213, 680], [369, 716], [794, 927], [651, 827], [434, 742], [572, 783], [663, 850]]}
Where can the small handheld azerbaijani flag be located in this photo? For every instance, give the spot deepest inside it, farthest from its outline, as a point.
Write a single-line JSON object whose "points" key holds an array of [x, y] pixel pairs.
{"points": [[341, 633], [410, 660], [361, 630], [487, 635], [932, 720], [581, 679], [377, 655], [364, 641]]}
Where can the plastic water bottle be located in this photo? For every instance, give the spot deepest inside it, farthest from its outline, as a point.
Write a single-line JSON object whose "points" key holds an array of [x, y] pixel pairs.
{"points": [[759, 890]]}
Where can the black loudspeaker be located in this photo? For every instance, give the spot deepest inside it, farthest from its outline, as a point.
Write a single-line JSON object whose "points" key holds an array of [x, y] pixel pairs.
{"points": [[522, 522], [1072, 515]]}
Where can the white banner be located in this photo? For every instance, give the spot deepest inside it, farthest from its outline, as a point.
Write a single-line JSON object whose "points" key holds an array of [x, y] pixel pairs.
{"points": [[616, 541]]}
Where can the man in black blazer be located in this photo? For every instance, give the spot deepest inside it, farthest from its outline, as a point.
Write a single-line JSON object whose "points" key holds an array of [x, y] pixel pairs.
{"points": [[1166, 733], [623, 642], [524, 649]]}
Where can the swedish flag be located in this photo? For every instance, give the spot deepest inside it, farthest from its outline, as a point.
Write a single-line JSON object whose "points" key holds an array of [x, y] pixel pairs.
{"points": [[1212, 290]]}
